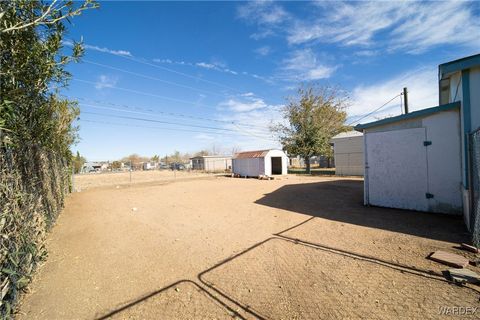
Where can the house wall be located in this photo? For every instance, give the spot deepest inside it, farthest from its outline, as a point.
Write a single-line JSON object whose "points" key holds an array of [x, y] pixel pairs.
{"points": [[471, 120], [348, 154], [475, 98], [217, 164], [198, 163], [250, 167], [442, 164]]}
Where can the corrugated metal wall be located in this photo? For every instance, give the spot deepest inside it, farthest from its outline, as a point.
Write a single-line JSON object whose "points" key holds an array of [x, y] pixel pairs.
{"points": [[348, 154]]}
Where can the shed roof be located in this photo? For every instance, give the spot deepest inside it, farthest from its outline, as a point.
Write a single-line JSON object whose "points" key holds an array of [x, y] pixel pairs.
{"points": [[217, 156], [251, 154], [411, 115], [348, 134], [458, 65]]}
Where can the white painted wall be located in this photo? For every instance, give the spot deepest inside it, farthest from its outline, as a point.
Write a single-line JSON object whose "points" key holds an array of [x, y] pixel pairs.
{"points": [[268, 161], [250, 167], [400, 170], [348, 154], [397, 169], [217, 164], [444, 162]]}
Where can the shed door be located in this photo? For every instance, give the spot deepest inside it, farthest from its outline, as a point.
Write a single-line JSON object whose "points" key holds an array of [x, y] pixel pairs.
{"points": [[397, 169]]}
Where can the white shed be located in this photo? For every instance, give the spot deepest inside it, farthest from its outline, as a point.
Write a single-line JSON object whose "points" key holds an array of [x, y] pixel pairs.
{"points": [[413, 161], [261, 162], [348, 153]]}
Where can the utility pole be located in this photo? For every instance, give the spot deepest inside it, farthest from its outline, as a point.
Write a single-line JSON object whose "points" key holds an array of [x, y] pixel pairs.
{"points": [[405, 99]]}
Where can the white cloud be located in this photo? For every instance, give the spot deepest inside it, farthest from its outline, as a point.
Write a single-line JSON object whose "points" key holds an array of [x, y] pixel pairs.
{"points": [[245, 102], [267, 15], [251, 117], [105, 81], [263, 51], [242, 106], [204, 137], [101, 49], [422, 93], [305, 65], [262, 12], [412, 26], [106, 50], [216, 66]]}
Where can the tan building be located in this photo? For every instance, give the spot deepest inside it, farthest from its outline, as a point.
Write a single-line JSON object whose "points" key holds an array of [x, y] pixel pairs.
{"points": [[212, 163]]}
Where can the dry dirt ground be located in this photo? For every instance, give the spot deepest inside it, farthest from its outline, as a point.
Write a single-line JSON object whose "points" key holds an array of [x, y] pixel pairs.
{"points": [[90, 180], [222, 248]]}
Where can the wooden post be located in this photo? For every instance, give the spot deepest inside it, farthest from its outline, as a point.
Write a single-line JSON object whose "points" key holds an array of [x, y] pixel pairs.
{"points": [[405, 99]]}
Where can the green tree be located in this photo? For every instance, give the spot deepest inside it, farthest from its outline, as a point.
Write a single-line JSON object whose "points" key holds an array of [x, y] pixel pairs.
{"points": [[36, 132], [78, 163], [311, 120], [116, 165], [32, 63]]}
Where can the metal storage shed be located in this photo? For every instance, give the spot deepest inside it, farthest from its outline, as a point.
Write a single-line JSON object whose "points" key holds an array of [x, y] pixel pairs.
{"points": [[348, 153], [212, 163], [413, 161], [261, 162]]}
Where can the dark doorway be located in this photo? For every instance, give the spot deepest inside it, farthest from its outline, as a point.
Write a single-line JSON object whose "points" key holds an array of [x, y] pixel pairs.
{"points": [[276, 165]]}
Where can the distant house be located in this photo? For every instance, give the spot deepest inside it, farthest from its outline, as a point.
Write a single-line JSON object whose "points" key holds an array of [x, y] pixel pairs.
{"points": [[149, 166], [260, 163], [320, 161], [348, 153], [94, 167], [423, 160], [211, 163]]}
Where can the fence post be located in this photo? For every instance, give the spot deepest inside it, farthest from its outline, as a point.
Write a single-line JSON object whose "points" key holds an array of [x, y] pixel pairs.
{"points": [[73, 179]]}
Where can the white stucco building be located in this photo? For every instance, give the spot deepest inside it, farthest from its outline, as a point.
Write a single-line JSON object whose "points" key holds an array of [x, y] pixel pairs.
{"points": [[348, 153], [420, 160], [260, 163]]}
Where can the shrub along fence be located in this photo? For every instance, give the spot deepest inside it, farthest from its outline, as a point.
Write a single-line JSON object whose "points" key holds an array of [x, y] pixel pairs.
{"points": [[33, 185]]}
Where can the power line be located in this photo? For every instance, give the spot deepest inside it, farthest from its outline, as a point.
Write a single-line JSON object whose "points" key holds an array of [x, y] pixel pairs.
{"points": [[234, 133], [160, 121], [100, 104], [146, 94], [179, 73], [151, 78], [377, 109]]}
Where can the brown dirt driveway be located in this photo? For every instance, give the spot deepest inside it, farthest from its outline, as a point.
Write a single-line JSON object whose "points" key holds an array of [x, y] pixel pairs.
{"points": [[220, 248]]}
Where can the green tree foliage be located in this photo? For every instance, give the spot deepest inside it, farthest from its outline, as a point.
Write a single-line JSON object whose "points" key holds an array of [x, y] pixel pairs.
{"points": [[32, 66], [116, 165], [78, 162], [311, 120], [36, 133]]}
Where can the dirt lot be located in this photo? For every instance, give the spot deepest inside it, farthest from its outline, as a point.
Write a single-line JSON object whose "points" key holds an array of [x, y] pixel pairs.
{"points": [[90, 180], [219, 248]]}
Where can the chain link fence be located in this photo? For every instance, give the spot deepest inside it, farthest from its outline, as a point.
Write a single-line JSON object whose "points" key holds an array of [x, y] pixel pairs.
{"points": [[475, 185]]}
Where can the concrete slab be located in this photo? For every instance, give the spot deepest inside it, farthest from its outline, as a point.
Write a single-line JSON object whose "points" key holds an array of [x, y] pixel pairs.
{"points": [[449, 259]]}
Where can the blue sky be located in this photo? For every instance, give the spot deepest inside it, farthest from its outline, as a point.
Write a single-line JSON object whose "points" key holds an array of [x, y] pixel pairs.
{"points": [[164, 76]]}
